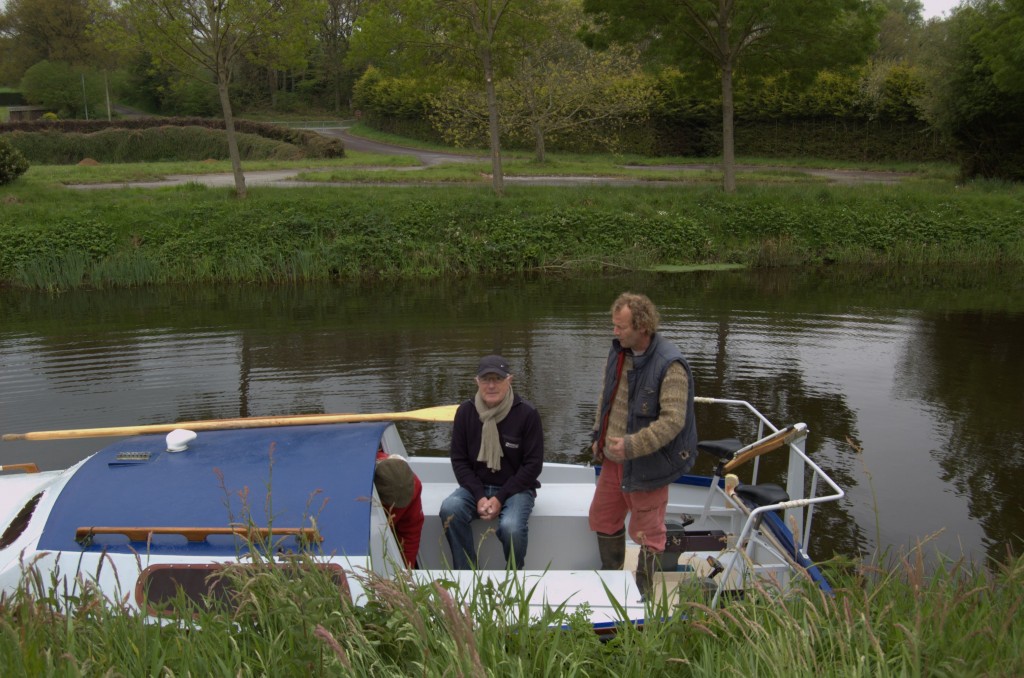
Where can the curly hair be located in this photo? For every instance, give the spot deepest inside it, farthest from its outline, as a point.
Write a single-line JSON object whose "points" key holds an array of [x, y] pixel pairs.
{"points": [[645, 315]]}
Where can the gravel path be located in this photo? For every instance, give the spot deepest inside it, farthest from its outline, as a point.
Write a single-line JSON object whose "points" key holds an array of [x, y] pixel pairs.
{"points": [[286, 178]]}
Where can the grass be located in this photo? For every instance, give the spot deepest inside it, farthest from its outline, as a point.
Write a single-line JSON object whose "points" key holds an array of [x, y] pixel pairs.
{"points": [[445, 221], [594, 162], [885, 619], [55, 176]]}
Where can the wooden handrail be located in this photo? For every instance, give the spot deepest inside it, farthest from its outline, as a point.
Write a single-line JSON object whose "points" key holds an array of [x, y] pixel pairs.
{"points": [[197, 534]]}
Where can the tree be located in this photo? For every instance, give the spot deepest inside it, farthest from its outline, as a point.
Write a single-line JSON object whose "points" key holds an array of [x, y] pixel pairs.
{"points": [[720, 36], [975, 90], [900, 31], [333, 36], [1000, 42], [196, 35], [557, 86], [458, 39], [62, 89], [46, 30]]}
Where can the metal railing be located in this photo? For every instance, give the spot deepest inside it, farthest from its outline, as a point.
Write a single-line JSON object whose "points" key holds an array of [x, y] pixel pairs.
{"points": [[799, 510]]}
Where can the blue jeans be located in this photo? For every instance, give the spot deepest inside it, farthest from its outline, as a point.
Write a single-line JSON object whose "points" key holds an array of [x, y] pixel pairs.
{"points": [[458, 512]]}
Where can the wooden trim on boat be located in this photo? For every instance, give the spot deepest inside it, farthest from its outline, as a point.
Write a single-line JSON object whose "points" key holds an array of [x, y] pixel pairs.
{"points": [[197, 534]]}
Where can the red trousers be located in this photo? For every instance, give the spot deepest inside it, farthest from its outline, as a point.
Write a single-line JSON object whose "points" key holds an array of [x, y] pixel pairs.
{"points": [[646, 510]]}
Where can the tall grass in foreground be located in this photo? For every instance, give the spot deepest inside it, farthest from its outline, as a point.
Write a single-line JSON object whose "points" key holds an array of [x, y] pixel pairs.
{"points": [[882, 621]]}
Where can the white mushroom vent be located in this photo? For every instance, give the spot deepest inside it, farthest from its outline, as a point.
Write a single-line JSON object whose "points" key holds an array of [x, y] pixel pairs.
{"points": [[179, 438]]}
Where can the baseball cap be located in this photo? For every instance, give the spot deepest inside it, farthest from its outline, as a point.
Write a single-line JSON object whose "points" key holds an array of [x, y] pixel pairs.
{"points": [[492, 364]]}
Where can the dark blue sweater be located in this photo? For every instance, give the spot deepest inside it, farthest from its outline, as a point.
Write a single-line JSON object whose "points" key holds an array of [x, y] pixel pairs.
{"points": [[522, 445]]}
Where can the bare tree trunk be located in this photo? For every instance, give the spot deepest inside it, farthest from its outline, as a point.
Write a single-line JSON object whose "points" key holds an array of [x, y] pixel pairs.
{"points": [[229, 128], [497, 176], [538, 135], [728, 140]]}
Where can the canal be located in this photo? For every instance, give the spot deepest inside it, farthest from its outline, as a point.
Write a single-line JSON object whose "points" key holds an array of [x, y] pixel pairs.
{"points": [[910, 382]]}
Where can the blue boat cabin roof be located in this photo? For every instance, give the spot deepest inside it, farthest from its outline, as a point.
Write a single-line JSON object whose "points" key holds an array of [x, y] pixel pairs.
{"points": [[281, 477]]}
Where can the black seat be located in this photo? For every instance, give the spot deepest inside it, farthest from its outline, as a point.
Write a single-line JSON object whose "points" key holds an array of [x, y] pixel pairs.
{"points": [[724, 449], [763, 494]]}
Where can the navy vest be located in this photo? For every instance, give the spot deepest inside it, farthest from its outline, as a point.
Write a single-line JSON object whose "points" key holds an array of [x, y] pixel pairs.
{"points": [[666, 464]]}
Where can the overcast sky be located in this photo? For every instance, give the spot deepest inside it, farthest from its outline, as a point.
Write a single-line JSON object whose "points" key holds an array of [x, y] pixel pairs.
{"points": [[937, 8]]}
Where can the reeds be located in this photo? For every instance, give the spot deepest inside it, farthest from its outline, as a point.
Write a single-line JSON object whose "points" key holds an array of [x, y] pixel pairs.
{"points": [[891, 619]]}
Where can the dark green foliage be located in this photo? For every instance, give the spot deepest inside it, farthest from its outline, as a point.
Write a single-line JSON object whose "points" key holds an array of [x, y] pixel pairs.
{"points": [[838, 139], [976, 99], [859, 114], [147, 139], [153, 144], [201, 236], [12, 162]]}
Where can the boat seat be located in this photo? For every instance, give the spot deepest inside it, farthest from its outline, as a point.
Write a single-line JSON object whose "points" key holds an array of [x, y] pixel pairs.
{"points": [[762, 494], [724, 449], [559, 526]]}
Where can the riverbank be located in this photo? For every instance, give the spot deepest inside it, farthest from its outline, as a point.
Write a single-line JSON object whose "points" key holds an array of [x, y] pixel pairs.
{"points": [[59, 239], [884, 620]]}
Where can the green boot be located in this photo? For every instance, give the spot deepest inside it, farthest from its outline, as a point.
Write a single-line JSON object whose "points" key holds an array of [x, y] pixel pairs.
{"points": [[647, 564], [613, 549]]}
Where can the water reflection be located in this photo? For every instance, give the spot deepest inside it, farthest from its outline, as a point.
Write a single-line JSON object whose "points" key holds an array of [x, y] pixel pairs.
{"points": [[969, 365], [925, 382]]}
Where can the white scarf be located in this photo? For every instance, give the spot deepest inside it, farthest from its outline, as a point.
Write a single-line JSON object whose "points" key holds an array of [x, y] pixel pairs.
{"points": [[490, 442]]}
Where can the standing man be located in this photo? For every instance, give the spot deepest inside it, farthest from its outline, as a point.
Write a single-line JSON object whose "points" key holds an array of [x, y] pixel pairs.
{"points": [[497, 454], [645, 435]]}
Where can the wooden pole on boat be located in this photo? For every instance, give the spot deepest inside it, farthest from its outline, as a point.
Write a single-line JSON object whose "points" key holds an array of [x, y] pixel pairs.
{"points": [[441, 413], [767, 444]]}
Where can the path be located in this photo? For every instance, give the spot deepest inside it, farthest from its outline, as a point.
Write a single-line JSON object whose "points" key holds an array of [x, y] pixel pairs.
{"points": [[427, 158]]}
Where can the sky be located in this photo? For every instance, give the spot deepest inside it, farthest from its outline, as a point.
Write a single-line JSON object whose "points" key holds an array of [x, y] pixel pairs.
{"points": [[935, 9]]}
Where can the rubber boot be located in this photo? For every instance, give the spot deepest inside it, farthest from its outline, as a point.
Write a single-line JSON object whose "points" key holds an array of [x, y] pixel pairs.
{"points": [[647, 564], [613, 549]]}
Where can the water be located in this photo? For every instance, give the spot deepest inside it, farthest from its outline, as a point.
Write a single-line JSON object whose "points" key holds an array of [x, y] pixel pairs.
{"points": [[910, 384]]}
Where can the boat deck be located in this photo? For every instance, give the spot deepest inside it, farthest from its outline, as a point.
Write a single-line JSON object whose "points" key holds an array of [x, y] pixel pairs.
{"points": [[264, 476]]}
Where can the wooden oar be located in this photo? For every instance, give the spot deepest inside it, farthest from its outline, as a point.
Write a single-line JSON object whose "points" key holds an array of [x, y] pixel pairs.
{"points": [[767, 444], [441, 413], [27, 468]]}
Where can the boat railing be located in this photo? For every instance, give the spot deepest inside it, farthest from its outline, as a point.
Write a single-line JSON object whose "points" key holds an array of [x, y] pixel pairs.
{"points": [[798, 508]]}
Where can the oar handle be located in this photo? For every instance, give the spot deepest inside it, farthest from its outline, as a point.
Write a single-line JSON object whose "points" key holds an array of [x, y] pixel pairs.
{"points": [[27, 468]]}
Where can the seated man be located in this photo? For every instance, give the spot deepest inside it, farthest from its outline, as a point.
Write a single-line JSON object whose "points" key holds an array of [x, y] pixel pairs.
{"points": [[497, 454], [400, 490]]}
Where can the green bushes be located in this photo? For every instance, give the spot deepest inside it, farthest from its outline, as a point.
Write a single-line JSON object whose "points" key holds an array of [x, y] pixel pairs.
{"points": [[149, 139], [154, 144], [12, 163], [194, 235]]}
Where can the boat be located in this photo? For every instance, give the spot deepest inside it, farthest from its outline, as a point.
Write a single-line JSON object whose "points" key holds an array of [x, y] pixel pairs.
{"points": [[155, 513]]}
